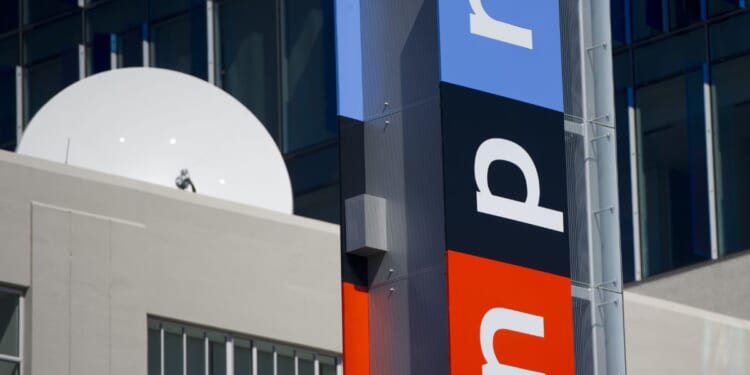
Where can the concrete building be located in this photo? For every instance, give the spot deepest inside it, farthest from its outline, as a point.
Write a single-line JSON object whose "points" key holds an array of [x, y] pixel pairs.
{"points": [[105, 275]]}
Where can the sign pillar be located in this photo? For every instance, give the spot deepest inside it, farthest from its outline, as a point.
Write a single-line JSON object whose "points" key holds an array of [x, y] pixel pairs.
{"points": [[455, 231]]}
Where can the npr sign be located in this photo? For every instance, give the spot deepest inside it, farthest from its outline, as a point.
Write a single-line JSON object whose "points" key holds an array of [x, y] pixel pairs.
{"points": [[508, 258], [509, 48]]}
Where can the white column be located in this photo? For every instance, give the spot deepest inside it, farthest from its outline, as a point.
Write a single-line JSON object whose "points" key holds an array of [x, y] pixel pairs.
{"points": [[710, 162], [19, 104], [211, 41], [634, 185]]}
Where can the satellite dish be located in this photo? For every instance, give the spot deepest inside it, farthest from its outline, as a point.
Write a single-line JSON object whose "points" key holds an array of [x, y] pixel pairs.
{"points": [[148, 124]]}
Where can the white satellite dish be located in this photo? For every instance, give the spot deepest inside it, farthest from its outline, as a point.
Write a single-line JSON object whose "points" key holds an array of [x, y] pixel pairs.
{"points": [[148, 124]]}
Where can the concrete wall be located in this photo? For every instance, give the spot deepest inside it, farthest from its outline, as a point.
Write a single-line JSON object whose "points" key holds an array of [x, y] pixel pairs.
{"points": [[691, 321], [98, 254], [664, 337]]}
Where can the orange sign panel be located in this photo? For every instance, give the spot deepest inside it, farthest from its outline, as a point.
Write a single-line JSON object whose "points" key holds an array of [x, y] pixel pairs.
{"points": [[506, 319]]}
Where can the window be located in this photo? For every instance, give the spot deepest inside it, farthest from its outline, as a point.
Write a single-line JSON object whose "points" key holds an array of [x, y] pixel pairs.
{"points": [[51, 60], [172, 346], [11, 323], [178, 40], [115, 27], [732, 123], [38, 10], [673, 177], [248, 58], [717, 7], [8, 63], [308, 77]]}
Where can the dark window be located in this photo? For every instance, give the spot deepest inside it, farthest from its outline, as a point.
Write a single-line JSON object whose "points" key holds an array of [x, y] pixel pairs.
{"points": [[684, 12], [8, 62], [248, 58], [617, 17], [8, 15], [717, 7], [51, 61], [732, 115], [179, 42], [308, 77], [38, 10], [116, 27], [670, 57], [673, 178], [728, 38], [648, 18]]}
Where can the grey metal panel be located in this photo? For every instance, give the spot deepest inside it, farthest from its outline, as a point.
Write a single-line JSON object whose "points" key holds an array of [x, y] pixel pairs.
{"points": [[50, 295], [89, 295], [406, 171], [408, 323], [366, 226], [577, 209], [400, 55]]}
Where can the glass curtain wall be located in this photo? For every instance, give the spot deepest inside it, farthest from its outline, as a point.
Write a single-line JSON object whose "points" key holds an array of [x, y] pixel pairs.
{"points": [[671, 56]]}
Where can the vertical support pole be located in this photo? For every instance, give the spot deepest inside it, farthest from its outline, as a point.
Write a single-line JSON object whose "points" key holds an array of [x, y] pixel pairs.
{"points": [[316, 365], [81, 61], [589, 158], [254, 359], [145, 45], [19, 104], [211, 41], [21, 333], [296, 363], [229, 355], [339, 366], [275, 361], [710, 162], [113, 53], [161, 349], [184, 352], [634, 185], [206, 356]]}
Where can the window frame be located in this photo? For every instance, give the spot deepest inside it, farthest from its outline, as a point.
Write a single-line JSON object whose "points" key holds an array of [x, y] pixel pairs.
{"points": [[21, 322], [230, 341]]}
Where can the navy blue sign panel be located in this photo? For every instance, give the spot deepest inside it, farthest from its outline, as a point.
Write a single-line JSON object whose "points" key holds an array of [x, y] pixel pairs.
{"points": [[504, 172], [509, 48]]}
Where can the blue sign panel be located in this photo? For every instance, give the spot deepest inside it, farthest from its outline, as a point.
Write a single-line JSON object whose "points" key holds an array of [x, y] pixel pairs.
{"points": [[509, 48]]}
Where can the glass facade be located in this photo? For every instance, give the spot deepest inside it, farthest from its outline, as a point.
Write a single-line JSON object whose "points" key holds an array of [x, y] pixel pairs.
{"points": [[275, 56], [682, 72], [179, 349]]}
